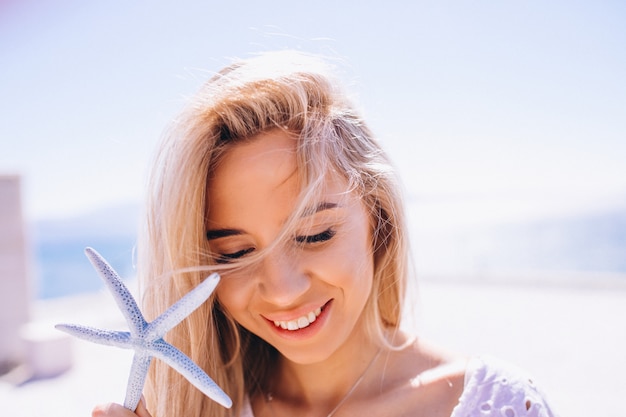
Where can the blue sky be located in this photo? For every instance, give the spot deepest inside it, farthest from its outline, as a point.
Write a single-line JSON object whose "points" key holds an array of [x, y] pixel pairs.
{"points": [[514, 108]]}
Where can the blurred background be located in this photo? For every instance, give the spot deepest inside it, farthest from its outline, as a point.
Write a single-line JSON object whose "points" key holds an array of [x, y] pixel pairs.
{"points": [[506, 121]]}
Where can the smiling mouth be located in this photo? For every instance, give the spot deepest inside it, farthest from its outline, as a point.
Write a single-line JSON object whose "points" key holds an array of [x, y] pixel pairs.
{"points": [[300, 322]]}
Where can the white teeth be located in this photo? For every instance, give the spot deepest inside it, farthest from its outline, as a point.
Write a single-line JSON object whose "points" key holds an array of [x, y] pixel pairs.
{"points": [[303, 322], [299, 323]]}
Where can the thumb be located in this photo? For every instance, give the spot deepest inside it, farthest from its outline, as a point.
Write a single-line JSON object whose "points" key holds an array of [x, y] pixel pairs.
{"points": [[111, 410], [141, 410]]}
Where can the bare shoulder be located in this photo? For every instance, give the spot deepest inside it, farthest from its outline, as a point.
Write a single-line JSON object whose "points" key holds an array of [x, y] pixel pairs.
{"points": [[423, 380]]}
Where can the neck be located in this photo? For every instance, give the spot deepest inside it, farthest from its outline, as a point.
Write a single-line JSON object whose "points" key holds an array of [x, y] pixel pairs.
{"points": [[323, 385]]}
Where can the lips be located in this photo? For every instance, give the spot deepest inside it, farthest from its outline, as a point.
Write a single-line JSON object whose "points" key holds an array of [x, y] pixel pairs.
{"points": [[301, 323]]}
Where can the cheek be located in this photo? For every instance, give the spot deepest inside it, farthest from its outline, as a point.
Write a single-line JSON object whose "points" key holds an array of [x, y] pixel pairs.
{"points": [[348, 263], [234, 295], [357, 249], [357, 261]]}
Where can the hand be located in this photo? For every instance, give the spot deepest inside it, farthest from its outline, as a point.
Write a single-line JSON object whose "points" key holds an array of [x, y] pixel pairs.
{"points": [[116, 410]]}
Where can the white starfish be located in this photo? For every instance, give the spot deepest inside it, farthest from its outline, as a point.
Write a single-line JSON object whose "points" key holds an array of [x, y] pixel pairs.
{"points": [[147, 338]]}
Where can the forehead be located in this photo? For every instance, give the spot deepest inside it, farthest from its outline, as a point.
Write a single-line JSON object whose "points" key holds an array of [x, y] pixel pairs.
{"points": [[258, 178], [271, 155]]}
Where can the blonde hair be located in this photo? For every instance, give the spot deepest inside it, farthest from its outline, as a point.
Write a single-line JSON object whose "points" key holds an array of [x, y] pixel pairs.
{"points": [[282, 90]]}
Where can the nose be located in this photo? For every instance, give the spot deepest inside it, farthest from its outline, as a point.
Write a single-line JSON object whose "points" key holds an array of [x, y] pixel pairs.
{"points": [[281, 279]]}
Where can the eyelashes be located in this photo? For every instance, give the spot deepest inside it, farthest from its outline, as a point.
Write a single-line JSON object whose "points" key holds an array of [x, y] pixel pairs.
{"points": [[225, 258], [326, 235], [318, 238]]}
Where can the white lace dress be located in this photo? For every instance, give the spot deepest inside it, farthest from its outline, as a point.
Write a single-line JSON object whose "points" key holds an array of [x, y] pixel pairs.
{"points": [[494, 388]]}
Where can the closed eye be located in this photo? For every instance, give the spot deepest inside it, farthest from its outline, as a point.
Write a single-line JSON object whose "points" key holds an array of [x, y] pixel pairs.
{"points": [[225, 258], [318, 238]]}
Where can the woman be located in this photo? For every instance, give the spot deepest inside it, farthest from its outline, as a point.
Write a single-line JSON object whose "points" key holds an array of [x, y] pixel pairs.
{"points": [[272, 179]]}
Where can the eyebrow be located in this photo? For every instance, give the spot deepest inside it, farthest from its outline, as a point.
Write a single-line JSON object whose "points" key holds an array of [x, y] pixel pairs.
{"points": [[221, 233], [324, 205]]}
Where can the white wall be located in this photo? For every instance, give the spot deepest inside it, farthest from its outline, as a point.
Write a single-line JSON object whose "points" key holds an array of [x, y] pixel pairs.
{"points": [[14, 280]]}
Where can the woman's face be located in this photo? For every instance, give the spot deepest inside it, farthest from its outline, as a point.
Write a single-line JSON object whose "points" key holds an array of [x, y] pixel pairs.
{"points": [[306, 296]]}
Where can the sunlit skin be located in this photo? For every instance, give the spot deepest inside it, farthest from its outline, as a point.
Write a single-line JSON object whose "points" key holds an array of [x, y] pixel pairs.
{"points": [[327, 262]]}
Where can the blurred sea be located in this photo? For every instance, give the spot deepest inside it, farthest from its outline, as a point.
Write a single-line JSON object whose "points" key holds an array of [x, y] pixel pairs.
{"points": [[589, 245], [586, 244], [59, 265], [62, 269]]}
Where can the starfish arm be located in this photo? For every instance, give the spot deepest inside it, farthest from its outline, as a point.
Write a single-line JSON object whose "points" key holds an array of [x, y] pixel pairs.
{"points": [[122, 296], [182, 308], [187, 368], [103, 337], [137, 379]]}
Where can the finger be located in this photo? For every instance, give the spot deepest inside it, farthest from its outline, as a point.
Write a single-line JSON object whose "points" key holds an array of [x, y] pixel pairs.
{"points": [[141, 410], [111, 410]]}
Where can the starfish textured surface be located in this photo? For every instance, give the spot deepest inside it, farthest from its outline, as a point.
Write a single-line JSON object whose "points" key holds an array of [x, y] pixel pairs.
{"points": [[147, 338]]}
